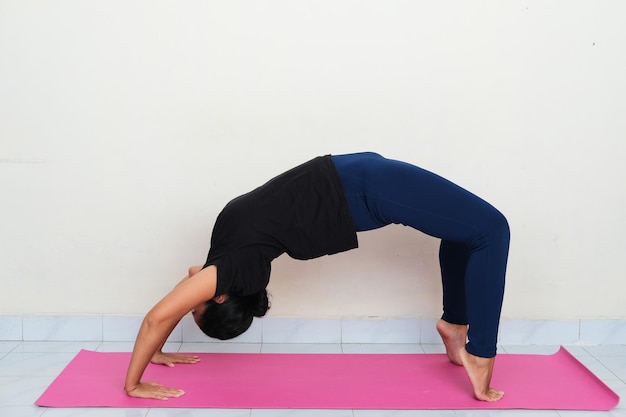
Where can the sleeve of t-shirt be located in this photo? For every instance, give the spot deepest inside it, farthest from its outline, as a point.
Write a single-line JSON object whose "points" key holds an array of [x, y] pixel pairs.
{"points": [[224, 276], [242, 272]]}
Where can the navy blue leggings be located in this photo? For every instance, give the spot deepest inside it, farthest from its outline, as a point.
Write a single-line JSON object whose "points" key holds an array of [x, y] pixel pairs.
{"points": [[474, 235]]}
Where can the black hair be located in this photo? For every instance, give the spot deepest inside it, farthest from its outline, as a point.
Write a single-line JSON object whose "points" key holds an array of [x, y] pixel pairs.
{"points": [[234, 316]]}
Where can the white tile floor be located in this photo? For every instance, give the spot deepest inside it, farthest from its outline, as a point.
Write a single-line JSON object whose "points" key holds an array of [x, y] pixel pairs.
{"points": [[27, 368]]}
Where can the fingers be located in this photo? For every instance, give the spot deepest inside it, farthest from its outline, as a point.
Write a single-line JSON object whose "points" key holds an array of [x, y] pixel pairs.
{"points": [[155, 391], [163, 393], [187, 359], [181, 358], [193, 270], [169, 359]]}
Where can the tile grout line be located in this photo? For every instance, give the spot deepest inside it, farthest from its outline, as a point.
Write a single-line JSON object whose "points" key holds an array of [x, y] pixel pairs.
{"points": [[580, 329], [341, 334]]}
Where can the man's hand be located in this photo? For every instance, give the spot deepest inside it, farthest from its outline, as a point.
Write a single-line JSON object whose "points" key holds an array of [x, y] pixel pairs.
{"points": [[153, 390], [169, 359]]}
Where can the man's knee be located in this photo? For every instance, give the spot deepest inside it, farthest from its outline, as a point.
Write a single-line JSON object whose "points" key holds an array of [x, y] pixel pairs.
{"points": [[500, 226]]}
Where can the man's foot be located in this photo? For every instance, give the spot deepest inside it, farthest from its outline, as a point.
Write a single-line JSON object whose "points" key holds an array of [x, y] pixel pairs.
{"points": [[479, 371], [454, 337]]}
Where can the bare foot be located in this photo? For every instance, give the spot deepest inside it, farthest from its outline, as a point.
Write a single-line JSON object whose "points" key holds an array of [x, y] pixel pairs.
{"points": [[454, 336], [479, 371]]}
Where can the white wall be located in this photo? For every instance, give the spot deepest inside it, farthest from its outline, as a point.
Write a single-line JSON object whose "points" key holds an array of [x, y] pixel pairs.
{"points": [[126, 125]]}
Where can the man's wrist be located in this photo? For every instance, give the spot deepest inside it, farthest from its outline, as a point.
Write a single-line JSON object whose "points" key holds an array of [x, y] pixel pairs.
{"points": [[128, 391]]}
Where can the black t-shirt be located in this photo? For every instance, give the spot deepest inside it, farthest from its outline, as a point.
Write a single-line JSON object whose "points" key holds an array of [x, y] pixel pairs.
{"points": [[302, 212]]}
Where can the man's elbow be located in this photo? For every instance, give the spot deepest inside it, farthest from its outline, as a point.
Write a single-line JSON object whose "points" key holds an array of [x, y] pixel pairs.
{"points": [[155, 320]]}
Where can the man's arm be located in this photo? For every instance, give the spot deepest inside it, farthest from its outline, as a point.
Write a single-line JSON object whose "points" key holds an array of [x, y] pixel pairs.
{"points": [[158, 324], [162, 358]]}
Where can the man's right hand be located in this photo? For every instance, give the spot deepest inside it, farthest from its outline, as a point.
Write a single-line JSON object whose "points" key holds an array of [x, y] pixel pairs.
{"points": [[153, 390]]}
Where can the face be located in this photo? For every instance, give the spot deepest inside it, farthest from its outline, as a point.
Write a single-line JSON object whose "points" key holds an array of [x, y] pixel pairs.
{"points": [[198, 310]]}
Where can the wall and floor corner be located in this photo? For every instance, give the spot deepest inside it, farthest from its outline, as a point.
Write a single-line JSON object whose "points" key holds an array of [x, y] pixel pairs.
{"points": [[126, 126]]}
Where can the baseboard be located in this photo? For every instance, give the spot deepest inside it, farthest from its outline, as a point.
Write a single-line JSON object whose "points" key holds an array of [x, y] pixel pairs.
{"points": [[311, 330]]}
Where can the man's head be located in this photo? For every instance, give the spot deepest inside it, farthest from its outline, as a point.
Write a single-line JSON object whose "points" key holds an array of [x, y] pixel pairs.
{"points": [[227, 316]]}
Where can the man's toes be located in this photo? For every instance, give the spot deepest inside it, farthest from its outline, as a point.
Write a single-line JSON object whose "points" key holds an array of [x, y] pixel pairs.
{"points": [[494, 395]]}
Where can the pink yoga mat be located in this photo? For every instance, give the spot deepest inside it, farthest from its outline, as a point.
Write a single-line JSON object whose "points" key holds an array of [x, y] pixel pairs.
{"points": [[333, 381]]}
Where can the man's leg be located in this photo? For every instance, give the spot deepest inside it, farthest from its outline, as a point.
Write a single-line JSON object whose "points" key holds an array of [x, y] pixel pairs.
{"points": [[397, 192], [452, 327]]}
